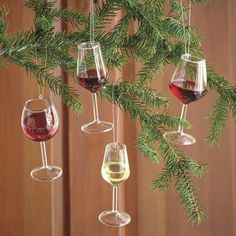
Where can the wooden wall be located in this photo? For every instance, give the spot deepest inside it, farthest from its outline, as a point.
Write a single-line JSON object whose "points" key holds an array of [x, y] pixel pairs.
{"points": [[71, 205], [27, 207]]}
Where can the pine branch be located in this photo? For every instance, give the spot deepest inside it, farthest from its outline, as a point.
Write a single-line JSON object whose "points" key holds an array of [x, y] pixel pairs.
{"points": [[117, 36], [187, 191], [156, 42], [151, 68], [202, 1], [216, 82], [147, 95], [41, 7], [3, 23], [144, 144], [179, 167], [196, 168], [164, 179], [23, 59], [73, 16], [69, 96], [219, 84], [176, 7], [136, 104], [106, 11], [218, 119]]}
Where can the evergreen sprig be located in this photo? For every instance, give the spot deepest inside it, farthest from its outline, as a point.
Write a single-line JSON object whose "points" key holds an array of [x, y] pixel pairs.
{"points": [[218, 119], [188, 194], [155, 42]]}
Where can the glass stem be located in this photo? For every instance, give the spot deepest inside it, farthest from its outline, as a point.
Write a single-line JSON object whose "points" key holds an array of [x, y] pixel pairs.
{"points": [[182, 119], [114, 199], [95, 107], [44, 154]]}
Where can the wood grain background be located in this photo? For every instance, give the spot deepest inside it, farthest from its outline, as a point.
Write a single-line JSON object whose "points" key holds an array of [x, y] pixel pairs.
{"points": [[71, 205]]}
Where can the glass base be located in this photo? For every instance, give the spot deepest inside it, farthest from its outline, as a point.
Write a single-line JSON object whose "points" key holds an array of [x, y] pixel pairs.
{"points": [[114, 218], [97, 127], [46, 174], [176, 137]]}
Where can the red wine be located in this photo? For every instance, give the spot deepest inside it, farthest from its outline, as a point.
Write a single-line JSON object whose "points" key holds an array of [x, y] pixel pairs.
{"points": [[185, 91], [89, 80], [39, 126]]}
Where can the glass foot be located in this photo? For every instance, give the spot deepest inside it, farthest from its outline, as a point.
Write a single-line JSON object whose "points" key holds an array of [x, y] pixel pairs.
{"points": [[46, 174], [97, 127], [114, 218], [179, 138]]}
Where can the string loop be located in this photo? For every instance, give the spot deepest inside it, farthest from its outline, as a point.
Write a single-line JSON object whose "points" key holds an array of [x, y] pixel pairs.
{"points": [[91, 17], [41, 87], [114, 114], [187, 36]]}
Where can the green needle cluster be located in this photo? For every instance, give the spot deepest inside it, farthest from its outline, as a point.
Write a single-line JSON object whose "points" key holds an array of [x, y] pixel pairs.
{"points": [[156, 41]]}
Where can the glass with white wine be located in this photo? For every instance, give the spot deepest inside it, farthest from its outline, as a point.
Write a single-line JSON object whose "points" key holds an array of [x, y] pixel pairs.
{"points": [[115, 170]]}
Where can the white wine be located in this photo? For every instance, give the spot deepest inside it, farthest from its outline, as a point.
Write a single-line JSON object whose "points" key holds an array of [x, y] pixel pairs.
{"points": [[115, 172]]}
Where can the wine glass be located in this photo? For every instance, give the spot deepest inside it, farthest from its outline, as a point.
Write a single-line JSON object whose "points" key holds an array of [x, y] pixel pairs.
{"points": [[115, 170], [92, 75], [39, 122], [188, 84]]}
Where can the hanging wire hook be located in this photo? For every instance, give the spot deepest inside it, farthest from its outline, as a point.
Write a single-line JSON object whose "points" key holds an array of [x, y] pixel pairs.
{"points": [[36, 62], [189, 24], [41, 88], [184, 29], [114, 114], [187, 35], [91, 21]]}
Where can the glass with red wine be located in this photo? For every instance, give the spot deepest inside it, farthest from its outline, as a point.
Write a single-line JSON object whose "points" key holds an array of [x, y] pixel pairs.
{"points": [[92, 75], [188, 84], [39, 122]]}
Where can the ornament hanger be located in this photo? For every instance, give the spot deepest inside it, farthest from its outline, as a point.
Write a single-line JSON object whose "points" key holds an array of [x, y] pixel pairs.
{"points": [[115, 116], [91, 17], [183, 83], [187, 36], [41, 87]]}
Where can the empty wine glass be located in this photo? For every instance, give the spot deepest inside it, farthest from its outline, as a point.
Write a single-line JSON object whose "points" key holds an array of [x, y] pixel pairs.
{"points": [[92, 75], [39, 122], [188, 84], [115, 170]]}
